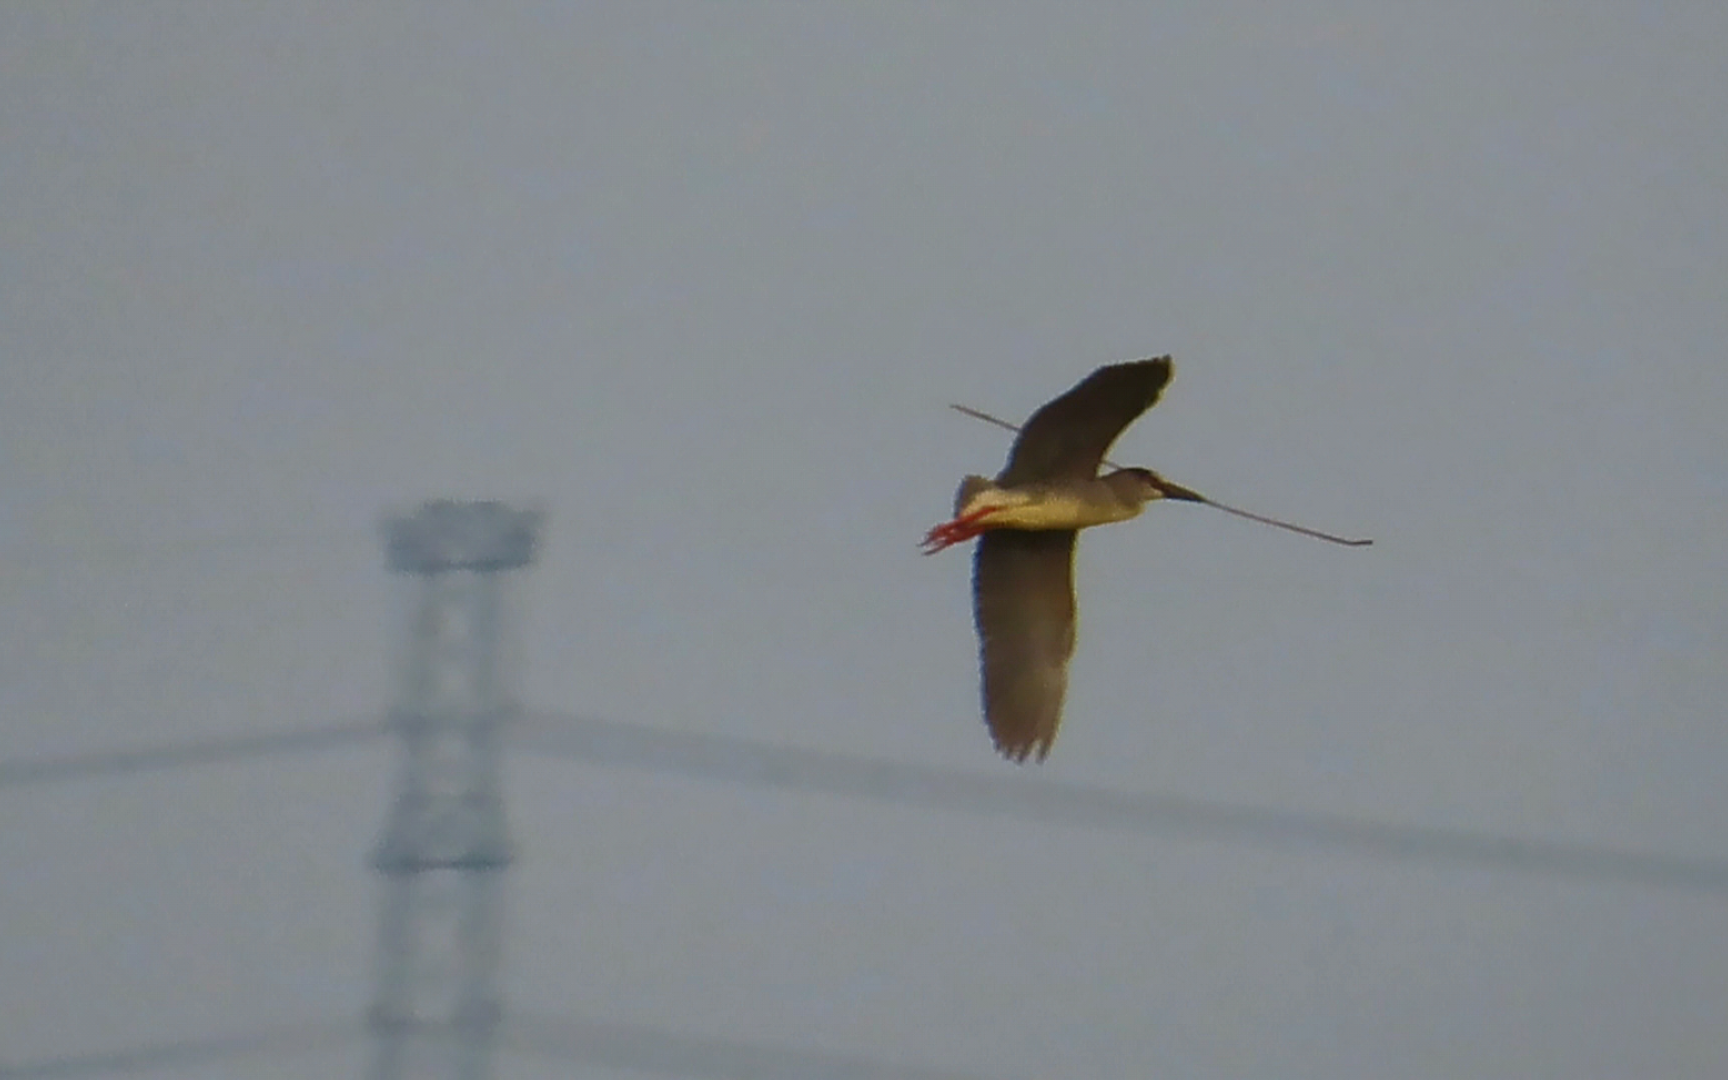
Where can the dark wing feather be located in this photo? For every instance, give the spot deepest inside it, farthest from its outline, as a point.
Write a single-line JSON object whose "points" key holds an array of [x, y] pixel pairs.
{"points": [[1023, 602], [1068, 437]]}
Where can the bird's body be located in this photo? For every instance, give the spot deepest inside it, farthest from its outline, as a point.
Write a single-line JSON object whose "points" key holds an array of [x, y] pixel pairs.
{"points": [[1027, 521], [1042, 505]]}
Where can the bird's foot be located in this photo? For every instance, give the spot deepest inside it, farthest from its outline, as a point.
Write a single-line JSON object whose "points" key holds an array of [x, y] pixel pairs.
{"points": [[949, 533]]}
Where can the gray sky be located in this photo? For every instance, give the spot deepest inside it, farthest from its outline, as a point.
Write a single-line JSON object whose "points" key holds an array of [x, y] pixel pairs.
{"points": [[702, 279]]}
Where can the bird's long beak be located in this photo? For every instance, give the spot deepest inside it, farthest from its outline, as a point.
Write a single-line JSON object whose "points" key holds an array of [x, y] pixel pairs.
{"points": [[1177, 491]]}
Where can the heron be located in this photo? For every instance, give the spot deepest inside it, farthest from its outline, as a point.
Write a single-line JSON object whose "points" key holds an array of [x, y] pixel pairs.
{"points": [[1027, 520]]}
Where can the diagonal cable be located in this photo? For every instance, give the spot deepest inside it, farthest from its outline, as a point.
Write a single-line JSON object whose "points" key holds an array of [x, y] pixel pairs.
{"points": [[766, 765], [188, 1052], [177, 755]]}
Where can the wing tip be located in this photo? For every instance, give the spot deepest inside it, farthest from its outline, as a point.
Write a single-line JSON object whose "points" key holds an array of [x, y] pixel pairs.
{"points": [[1031, 752]]}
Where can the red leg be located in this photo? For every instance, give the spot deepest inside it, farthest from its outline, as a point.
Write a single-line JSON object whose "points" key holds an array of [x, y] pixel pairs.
{"points": [[962, 528]]}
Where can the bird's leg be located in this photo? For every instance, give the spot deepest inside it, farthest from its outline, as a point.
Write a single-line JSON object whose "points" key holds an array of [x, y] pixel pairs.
{"points": [[949, 533]]}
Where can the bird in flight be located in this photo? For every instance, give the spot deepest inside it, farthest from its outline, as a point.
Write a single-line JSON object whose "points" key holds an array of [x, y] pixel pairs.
{"points": [[1027, 520]]}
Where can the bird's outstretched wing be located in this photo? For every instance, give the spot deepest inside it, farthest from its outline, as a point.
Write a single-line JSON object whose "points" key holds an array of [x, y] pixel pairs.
{"points": [[1068, 437], [1023, 602]]}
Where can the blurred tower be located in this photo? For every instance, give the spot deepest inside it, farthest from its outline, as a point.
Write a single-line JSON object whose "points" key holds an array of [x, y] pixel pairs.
{"points": [[444, 849]]}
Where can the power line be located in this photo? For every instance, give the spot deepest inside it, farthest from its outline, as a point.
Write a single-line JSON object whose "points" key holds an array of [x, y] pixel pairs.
{"points": [[759, 764], [766, 765], [200, 752], [184, 1052], [591, 1042], [663, 1053]]}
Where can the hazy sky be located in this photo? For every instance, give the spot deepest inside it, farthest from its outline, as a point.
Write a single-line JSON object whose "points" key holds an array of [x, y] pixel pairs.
{"points": [[701, 278]]}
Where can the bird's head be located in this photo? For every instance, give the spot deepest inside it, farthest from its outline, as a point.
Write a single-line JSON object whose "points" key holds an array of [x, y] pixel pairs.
{"points": [[1141, 486]]}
